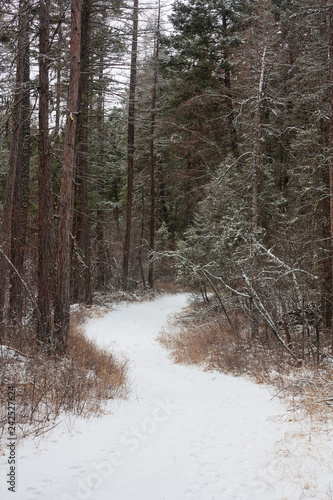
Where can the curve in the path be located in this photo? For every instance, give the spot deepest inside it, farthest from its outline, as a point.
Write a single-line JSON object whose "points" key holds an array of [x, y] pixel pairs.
{"points": [[183, 434]]}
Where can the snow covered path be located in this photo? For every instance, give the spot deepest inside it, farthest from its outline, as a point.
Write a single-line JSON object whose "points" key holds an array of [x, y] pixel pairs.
{"points": [[183, 434]]}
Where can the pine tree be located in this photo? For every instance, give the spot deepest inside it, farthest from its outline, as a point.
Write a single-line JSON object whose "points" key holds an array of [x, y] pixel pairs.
{"points": [[46, 255], [130, 144], [62, 300], [12, 251]]}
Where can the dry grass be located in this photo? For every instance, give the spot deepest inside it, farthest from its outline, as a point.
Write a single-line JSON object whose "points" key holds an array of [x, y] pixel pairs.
{"points": [[307, 388], [168, 287], [110, 374], [206, 338], [46, 387]]}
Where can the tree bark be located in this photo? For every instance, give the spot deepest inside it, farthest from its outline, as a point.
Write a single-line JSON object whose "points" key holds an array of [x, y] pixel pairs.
{"points": [[21, 187], [152, 157], [229, 103], [82, 288], [66, 203], [46, 235], [11, 222], [331, 129], [58, 72], [130, 144], [100, 244], [327, 248]]}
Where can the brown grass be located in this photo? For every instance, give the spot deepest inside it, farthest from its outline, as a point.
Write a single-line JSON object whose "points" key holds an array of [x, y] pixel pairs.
{"points": [[306, 388], [46, 387], [168, 287], [110, 374]]}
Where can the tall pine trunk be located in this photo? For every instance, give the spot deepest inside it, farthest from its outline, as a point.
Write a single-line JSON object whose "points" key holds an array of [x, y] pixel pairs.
{"points": [[66, 202], [11, 233], [100, 244], [327, 248], [130, 144], [21, 188], [46, 234], [331, 132], [229, 99], [58, 73], [152, 157], [82, 289]]}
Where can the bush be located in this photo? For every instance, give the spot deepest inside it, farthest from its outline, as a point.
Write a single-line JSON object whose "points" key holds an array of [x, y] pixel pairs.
{"points": [[80, 383], [205, 337]]}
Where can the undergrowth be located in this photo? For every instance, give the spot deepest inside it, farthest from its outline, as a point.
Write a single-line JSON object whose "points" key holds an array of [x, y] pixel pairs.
{"points": [[47, 387], [208, 339]]}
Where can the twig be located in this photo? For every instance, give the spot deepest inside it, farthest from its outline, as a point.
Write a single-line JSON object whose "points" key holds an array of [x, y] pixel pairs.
{"points": [[324, 400], [49, 429], [293, 383], [41, 397], [264, 314]]}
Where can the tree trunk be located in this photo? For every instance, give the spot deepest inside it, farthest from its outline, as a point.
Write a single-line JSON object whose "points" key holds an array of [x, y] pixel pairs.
{"points": [[66, 203], [130, 144], [163, 210], [331, 131], [152, 157], [21, 187], [100, 245], [256, 179], [229, 103], [82, 270], [141, 243], [58, 72], [13, 195], [46, 236], [327, 248]]}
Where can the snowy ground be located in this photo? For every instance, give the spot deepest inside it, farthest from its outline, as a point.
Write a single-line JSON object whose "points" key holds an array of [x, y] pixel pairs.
{"points": [[183, 434]]}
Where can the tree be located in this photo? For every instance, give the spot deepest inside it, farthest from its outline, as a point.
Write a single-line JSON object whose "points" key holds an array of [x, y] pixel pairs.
{"points": [[14, 214], [45, 210], [66, 202], [130, 144], [201, 54], [331, 130], [82, 286], [21, 189], [152, 152]]}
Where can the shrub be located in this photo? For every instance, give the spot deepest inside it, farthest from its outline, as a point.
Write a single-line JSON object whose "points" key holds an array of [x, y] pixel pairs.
{"points": [[80, 383]]}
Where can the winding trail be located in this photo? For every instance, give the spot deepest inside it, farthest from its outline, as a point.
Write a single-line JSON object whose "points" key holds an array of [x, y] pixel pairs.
{"points": [[183, 434]]}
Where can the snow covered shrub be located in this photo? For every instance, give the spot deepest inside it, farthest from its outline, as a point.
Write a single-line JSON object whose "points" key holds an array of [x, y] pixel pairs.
{"points": [[266, 265]]}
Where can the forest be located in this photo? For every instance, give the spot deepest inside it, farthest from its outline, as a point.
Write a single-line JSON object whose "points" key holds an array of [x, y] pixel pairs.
{"points": [[148, 143]]}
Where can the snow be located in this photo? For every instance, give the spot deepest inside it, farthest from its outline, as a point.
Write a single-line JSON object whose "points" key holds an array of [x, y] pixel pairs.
{"points": [[182, 434], [8, 354]]}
